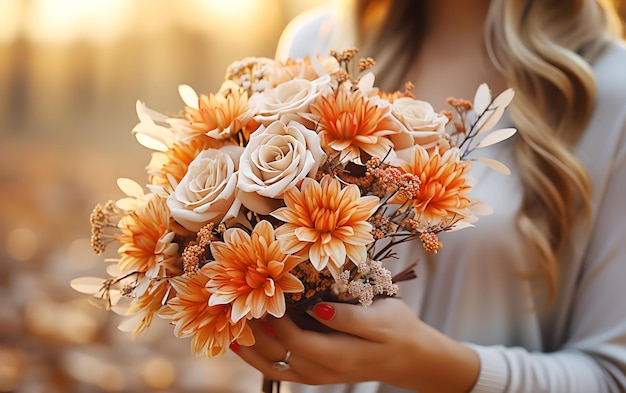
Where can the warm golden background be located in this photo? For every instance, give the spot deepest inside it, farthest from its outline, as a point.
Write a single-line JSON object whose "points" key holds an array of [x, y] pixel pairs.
{"points": [[70, 73]]}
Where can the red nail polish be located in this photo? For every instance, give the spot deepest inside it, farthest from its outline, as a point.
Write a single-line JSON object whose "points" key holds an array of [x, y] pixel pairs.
{"points": [[324, 311], [267, 328], [234, 346]]}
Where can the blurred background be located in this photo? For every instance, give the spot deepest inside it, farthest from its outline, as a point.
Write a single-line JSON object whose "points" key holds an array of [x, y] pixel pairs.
{"points": [[70, 73]]}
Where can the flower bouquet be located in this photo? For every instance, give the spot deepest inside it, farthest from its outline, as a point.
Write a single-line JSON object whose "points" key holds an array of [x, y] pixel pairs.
{"points": [[291, 184]]}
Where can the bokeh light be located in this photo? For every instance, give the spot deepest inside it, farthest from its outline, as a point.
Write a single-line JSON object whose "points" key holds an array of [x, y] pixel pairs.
{"points": [[10, 21], [22, 244], [80, 254], [11, 369], [158, 372], [63, 21], [215, 17]]}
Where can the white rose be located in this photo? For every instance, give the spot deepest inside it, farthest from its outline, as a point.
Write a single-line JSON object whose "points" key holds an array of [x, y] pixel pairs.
{"points": [[291, 97], [207, 191], [276, 159], [425, 125]]}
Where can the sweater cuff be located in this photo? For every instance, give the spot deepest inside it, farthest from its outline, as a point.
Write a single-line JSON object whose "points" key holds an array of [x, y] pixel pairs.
{"points": [[494, 370]]}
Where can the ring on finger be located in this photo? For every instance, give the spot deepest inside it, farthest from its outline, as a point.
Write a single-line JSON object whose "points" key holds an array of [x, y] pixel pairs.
{"points": [[283, 365]]}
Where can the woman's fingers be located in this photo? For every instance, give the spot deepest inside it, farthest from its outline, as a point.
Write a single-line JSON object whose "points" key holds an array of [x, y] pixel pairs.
{"points": [[384, 318], [363, 336], [322, 347], [266, 342], [259, 361], [342, 356], [268, 350]]}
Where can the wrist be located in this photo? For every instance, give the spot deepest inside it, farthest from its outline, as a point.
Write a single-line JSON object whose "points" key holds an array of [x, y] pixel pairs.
{"points": [[442, 364]]}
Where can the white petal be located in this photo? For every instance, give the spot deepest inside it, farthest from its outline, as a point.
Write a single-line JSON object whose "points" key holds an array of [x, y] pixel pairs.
{"points": [[497, 136], [113, 270], [491, 120], [130, 187], [189, 96], [366, 82], [460, 225], [88, 285], [481, 208], [114, 296], [495, 165], [122, 306], [503, 99], [482, 98], [147, 115], [128, 204], [149, 142], [130, 324]]}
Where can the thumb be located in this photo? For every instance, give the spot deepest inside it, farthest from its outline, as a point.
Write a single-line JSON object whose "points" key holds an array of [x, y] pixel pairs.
{"points": [[371, 323]]}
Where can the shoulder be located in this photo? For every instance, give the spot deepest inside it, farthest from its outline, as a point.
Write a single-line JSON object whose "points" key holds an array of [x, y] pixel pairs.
{"points": [[610, 72], [604, 141], [307, 34], [609, 112]]}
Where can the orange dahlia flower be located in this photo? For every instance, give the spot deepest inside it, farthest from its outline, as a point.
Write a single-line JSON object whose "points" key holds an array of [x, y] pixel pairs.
{"points": [[211, 327], [326, 223], [175, 161], [445, 184], [351, 123], [252, 273], [215, 116], [147, 241]]}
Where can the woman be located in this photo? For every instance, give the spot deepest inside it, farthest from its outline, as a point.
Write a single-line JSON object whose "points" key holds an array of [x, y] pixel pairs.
{"points": [[533, 299]]}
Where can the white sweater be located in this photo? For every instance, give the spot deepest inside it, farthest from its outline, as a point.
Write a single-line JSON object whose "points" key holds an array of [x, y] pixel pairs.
{"points": [[471, 290]]}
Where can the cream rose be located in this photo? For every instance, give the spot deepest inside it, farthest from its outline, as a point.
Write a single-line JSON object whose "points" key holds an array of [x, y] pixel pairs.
{"points": [[291, 97], [276, 159], [208, 190], [425, 125]]}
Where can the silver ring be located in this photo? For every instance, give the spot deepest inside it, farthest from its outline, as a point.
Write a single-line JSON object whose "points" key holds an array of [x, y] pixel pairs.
{"points": [[283, 365]]}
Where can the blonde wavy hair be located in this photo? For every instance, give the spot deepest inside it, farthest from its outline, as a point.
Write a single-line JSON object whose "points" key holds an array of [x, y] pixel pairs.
{"points": [[544, 48]]}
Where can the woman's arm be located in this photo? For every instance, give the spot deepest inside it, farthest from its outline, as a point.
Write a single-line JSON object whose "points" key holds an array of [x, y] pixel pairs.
{"points": [[383, 342]]}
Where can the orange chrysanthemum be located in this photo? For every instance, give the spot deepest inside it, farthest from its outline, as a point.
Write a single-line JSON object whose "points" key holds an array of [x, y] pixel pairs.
{"points": [[147, 241], [351, 123], [211, 327], [252, 273], [445, 184], [224, 114], [216, 116], [324, 222], [175, 161]]}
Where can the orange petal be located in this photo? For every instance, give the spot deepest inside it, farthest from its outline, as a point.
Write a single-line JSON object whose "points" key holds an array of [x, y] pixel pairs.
{"points": [[306, 234], [291, 284], [356, 253], [317, 258]]}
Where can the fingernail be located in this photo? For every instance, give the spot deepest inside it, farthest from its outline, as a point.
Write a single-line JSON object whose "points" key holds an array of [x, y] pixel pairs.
{"points": [[234, 346], [324, 311], [267, 328]]}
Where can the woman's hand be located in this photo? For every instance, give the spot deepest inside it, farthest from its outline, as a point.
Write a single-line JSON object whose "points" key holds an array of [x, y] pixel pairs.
{"points": [[383, 342]]}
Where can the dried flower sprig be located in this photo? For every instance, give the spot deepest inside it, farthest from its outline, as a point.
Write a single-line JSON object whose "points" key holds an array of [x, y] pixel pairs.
{"points": [[371, 280], [104, 230]]}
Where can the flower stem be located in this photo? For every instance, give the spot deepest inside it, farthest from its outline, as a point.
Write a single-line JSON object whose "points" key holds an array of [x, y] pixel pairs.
{"points": [[270, 386]]}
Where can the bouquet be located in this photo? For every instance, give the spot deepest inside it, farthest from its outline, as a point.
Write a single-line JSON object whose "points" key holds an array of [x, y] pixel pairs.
{"points": [[292, 183]]}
